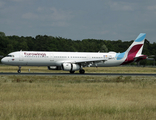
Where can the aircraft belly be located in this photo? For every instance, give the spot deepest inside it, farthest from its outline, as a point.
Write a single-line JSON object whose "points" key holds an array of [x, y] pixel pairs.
{"points": [[108, 63]]}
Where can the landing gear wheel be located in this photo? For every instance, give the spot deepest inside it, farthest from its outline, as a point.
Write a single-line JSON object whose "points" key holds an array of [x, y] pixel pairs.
{"points": [[82, 71], [72, 72], [19, 70]]}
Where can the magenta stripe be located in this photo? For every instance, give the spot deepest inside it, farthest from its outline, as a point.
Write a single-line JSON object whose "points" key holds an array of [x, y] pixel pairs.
{"points": [[132, 53]]}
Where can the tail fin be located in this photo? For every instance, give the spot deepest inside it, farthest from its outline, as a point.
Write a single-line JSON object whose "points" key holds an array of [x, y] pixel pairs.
{"points": [[137, 46], [134, 52]]}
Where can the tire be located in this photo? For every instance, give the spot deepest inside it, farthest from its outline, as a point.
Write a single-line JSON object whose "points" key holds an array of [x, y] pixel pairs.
{"points": [[82, 71], [72, 72], [19, 71]]}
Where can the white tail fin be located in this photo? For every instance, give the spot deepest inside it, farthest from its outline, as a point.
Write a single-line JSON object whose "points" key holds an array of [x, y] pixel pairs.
{"points": [[136, 47], [134, 52]]}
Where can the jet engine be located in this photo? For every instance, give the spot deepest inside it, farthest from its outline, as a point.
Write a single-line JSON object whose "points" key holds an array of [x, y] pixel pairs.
{"points": [[54, 68], [70, 67]]}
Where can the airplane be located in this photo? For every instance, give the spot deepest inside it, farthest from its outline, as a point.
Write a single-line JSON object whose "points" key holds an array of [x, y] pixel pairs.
{"points": [[74, 61]]}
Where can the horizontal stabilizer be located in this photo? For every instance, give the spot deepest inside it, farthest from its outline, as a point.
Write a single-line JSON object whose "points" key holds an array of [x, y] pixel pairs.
{"points": [[137, 59]]}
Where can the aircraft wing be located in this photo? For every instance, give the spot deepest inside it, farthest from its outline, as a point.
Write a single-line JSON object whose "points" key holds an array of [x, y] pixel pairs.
{"points": [[88, 62]]}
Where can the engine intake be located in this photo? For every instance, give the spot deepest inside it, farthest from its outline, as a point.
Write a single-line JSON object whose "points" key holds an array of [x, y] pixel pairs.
{"points": [[70, 67]]}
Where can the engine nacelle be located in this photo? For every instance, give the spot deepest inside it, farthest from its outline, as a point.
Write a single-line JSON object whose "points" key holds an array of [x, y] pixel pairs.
{"points": [[54, 68], [70, 67]]}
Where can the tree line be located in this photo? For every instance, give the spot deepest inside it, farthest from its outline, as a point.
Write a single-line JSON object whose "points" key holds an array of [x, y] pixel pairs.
{"points": [[50, 43]]}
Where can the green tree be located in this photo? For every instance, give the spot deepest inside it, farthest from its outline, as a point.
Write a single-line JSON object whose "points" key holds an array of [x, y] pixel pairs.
{"points": [[104, 48], [10, 48], [2, 34]]}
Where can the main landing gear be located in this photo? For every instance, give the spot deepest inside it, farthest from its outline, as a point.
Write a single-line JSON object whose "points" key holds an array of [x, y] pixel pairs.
{"points": [[19, 70], [81, 71], [72, 72]]}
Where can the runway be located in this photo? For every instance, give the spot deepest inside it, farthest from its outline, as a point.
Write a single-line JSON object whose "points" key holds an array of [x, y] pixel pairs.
{"points": [[77, 74]]}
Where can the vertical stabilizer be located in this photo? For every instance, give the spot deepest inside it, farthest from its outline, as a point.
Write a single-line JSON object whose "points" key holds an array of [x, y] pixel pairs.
{"points": [[137, 46], [134, 52]]}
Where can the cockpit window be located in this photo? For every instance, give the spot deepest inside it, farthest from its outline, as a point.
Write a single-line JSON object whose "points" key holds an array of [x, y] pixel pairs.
{"points": [[10, 56]]}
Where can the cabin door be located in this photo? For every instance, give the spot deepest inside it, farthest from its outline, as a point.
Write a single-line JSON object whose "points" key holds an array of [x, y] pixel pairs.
{"points": [[51, 57], [21, 56]]}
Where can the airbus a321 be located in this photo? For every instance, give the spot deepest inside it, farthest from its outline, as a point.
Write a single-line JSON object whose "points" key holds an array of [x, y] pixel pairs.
{"points": [[73, 61]]}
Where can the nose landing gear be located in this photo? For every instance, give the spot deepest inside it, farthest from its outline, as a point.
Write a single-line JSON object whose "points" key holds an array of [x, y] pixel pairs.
{"points": [[19, 70]]}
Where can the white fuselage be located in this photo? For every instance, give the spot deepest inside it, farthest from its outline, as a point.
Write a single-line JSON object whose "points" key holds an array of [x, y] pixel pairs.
{"points": [[37, 58]]}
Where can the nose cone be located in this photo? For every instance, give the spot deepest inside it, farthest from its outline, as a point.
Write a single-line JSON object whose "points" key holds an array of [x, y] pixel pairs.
{"points": [[3, 60]]}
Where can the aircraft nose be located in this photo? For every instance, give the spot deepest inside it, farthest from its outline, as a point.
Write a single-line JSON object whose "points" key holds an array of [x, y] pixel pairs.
{"points": [[3, 60]]}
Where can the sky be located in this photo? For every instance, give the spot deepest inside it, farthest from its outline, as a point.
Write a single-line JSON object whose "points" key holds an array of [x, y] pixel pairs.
{"points": [[79, 19]]}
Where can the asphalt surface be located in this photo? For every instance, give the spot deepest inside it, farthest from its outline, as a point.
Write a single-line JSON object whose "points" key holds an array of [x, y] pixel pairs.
{"points": [[77, 74]]}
